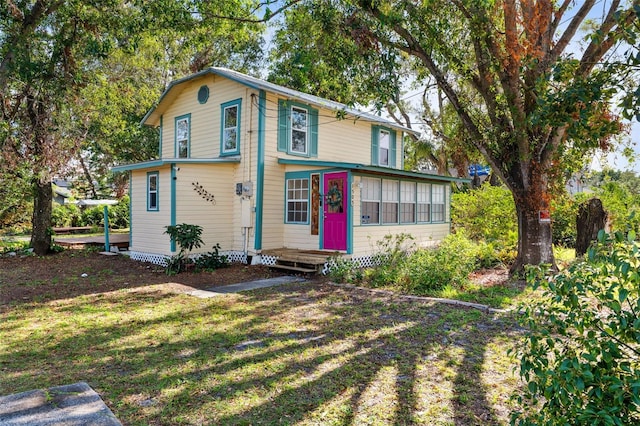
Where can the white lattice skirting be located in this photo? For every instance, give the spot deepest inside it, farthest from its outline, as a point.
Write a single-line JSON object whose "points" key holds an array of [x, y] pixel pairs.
{"points": [[239, 256], [161, 259]]}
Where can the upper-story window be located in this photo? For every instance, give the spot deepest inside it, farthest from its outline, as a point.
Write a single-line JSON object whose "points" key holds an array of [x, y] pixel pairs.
{"points": [[183, 135], [383, 147], [230, 133], [297, 129]]}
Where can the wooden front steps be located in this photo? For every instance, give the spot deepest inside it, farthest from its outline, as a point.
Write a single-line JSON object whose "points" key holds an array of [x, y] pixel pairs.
{"points": [[301, 261]]}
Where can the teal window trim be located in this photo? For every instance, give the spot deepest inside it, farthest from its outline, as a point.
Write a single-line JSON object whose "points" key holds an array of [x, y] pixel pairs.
{"points": [[375, 146], [291, 176], [153, 195], [285, 130], [237, 103], [186, 117]]}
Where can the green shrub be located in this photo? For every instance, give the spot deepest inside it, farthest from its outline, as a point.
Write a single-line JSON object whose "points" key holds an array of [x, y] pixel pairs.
{"points": [[212, 260], [119, 214], [187, 237], [344, 270], [65, 215], [621, 205], [449, 264], [93, 216], [488, 214], [581, 355]]}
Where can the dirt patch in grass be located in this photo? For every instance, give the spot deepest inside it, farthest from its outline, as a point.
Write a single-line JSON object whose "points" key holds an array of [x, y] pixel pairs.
{"points": [[73, 273]]}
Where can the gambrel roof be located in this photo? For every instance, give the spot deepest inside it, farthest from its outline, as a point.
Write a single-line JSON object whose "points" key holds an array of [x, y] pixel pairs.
{"points": [[153, 116]]}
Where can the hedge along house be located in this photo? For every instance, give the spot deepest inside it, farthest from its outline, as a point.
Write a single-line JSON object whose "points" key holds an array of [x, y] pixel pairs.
{"points": [[262, 167]]}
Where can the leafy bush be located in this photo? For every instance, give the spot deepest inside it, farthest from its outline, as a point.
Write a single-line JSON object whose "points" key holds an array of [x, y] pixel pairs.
{"points": [[433, 269], [345, 270], [119, 214], [488, 214], [391, 254], [66, 215], [187, 237], [212, 260], [581, 355], [93, 216], [621, 205]]}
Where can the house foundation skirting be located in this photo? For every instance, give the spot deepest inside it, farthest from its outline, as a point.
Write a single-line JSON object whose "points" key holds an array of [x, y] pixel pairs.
{"points": [[161, 259], [239, 256]]}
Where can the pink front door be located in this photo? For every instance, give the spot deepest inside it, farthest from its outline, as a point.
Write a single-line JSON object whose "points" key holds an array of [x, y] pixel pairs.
{"points": [[334, 209]]}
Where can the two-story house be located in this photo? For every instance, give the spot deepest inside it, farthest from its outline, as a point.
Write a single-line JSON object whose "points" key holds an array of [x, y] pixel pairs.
{"points": [[263, 167]]}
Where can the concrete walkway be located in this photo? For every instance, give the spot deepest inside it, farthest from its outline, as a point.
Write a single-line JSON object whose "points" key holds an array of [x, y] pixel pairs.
{"points": [[250, 285], [70, 405]]}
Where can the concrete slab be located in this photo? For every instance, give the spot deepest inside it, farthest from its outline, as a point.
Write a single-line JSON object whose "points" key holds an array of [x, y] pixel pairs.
{"points": [[69, 405], [250, 285]]}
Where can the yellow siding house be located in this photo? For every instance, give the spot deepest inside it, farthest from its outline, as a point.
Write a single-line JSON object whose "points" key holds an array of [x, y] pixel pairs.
{"points": [[261, 167]]}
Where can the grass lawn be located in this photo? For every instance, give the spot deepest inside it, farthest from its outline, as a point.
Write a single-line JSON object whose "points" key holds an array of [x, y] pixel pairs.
{"points": [[312, 354]]}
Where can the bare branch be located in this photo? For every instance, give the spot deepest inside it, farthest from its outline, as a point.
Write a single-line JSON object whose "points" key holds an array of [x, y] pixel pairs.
{"points": [[597, 49], [265, 18], [569, 33]]}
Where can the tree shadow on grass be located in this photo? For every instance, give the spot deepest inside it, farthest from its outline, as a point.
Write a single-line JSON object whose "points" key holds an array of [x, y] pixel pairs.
{"points": [[299, 353]]}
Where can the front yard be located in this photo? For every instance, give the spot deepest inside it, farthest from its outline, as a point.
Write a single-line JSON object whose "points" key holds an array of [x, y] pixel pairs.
{"points": [[307, 353]]}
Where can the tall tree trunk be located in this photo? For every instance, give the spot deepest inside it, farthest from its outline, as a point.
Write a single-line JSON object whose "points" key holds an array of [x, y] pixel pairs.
{"points": [[42, 199], [534, 234]]}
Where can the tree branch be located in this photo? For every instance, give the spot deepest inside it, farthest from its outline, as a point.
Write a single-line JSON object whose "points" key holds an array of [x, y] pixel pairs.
{"points": [[596, 49], [569, 33], [265, 18]]}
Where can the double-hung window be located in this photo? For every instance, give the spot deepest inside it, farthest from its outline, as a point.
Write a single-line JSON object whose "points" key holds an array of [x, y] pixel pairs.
{"points": [[390, 197], [370, 201], [183, 133], [230, 138], [424, 202], [383, 148], [297, 201], [407, 202], [437, 201], [297, 129], [152, 191]]}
